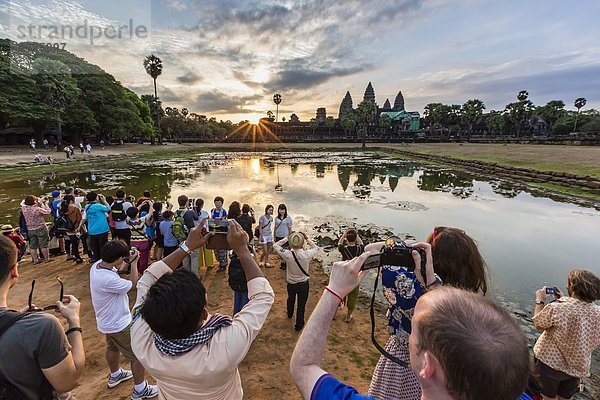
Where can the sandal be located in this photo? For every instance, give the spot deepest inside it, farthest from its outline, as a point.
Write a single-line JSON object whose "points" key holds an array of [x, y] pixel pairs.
{"points": [[261, 264], [348, 320]]}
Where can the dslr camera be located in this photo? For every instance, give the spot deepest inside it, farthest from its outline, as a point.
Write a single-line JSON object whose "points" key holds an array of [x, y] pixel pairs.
{"points": [[395, 253]]}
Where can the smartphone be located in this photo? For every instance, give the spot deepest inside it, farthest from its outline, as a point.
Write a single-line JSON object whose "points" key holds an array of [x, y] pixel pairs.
{"points": [[551, 290], [218, 226], [373, 261]]}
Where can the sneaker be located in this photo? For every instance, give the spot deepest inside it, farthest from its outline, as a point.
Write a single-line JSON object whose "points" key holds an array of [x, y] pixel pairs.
{"points": [[70, 257], [149, 392], [123, 376]]}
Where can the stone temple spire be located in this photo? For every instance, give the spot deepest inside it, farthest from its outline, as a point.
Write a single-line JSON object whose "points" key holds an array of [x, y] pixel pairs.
{"points": [[346, 106], [369, 94], [387, 105], [399, 102]]}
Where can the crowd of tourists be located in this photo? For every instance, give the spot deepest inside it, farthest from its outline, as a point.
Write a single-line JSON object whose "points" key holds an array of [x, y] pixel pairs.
{"points": [[447, 339]]}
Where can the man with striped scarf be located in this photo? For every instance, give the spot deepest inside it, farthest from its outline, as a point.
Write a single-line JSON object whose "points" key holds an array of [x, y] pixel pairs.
{"points": [[191, 353]]}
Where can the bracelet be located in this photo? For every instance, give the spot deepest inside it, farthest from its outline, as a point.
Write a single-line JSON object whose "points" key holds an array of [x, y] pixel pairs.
{"points": [[75, 329], [335, 294]]}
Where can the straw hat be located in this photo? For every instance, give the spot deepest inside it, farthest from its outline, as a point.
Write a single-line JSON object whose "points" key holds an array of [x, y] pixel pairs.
{"points": [[6, 228], [296, 240]]}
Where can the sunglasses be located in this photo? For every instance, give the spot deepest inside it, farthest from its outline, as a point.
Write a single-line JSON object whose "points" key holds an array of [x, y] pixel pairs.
{"points": [[47, 308]]}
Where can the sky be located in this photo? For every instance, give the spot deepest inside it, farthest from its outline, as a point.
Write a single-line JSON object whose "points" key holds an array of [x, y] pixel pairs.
{"points": [[227, 58]]}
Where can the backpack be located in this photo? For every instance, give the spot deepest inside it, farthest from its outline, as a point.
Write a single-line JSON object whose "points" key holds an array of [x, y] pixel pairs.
{"points": [[179, 228], [8, 391], [237, 276], [117, 212], [63, 223]]}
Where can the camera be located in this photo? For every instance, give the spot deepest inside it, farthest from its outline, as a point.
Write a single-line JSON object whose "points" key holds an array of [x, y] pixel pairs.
{"points": [[218, 226], [552, 290], [395, 253]]}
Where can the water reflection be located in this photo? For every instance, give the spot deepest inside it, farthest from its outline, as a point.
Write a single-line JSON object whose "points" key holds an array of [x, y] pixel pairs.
{"points": [[408, 197], [458, 183]]}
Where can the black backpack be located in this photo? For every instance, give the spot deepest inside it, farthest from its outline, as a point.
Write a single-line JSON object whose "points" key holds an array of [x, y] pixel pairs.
{"points": [[117, 212], [63, 223], [8, 391], [237, 276]]}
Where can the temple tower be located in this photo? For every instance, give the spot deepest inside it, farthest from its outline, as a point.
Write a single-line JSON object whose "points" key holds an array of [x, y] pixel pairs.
{"points": [[369, 94], [399, 102], [387, 105], [346, 106]]}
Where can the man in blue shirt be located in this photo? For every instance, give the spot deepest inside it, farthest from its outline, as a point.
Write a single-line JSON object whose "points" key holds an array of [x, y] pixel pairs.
{"points": [[96, 212], [462, 345]]}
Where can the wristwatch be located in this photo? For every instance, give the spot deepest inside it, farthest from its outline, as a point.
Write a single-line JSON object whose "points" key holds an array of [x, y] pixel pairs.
{"points": [[539, 302], [183, 246]]}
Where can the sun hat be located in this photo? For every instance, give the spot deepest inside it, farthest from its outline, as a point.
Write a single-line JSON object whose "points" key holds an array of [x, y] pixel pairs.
{"points": [[6, 228], [296, 240], [55, 193]]}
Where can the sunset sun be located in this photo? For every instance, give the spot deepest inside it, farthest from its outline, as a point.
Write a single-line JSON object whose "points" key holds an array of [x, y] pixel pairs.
{"points": [[254, 118]]}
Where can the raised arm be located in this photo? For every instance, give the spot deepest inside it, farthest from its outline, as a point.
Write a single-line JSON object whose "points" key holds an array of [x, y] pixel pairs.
{"points": [[342, 238], [305, 363], [238, 240], [64, 375], [195, 240]]}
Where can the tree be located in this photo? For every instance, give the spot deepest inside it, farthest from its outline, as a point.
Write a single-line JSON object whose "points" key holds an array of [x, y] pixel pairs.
{"points": [[384, 122], [329, 123], [496, 122], [472, 112], [551, 112], [59, 89], [522, 95], [153, 67], [579, 103], [348, 123], [365, 114], [519, 112]]}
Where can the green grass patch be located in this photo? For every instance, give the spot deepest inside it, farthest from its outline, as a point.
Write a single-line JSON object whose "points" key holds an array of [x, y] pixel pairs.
{"points": [[566, 190], [538, 163]]}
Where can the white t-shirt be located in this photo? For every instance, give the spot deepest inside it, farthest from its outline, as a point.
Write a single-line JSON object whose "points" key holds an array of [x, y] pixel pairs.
{"points": [[109, 298], [123, 224]]}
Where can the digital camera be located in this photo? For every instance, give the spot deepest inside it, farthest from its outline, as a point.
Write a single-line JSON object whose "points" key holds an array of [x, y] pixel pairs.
{"points": [[395, 253]]}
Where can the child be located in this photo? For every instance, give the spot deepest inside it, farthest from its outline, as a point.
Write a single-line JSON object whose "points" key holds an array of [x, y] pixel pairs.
{"points": [[9, 232], [139, 238], [170, 242], [219, 213]]}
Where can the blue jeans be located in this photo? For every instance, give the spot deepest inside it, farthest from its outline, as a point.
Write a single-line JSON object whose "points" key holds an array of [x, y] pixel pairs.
{"points": [[240, 299]]}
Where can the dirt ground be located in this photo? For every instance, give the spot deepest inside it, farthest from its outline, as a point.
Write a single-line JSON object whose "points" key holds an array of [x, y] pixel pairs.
{"points": [[349, 354]]}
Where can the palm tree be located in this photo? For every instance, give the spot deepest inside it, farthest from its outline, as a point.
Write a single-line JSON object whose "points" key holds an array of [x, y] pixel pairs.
{"points": [[153, 66], [522, 96], [579, 102]]}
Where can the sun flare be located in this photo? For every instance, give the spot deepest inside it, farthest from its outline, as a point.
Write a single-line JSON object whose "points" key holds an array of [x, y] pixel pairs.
{"points": [[254, 119]]}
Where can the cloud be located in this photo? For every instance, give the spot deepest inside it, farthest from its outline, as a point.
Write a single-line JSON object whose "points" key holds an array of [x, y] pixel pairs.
{"points": [[217, 101], [189, 77], [298, 77]]}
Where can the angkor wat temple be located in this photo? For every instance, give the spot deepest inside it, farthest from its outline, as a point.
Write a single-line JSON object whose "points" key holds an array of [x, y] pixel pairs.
{"points": [[409, 120]]}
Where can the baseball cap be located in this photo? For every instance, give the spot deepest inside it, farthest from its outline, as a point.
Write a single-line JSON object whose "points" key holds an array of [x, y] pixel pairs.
{"points": [[55, 193]]}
